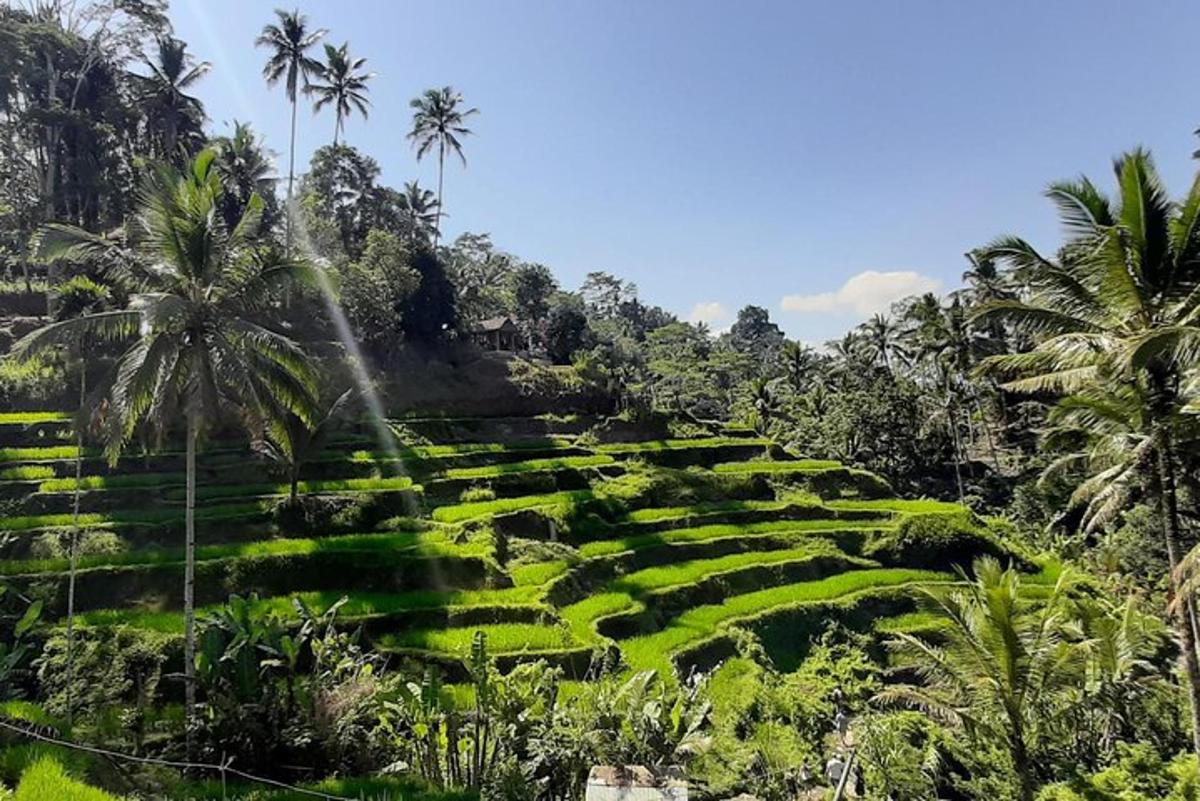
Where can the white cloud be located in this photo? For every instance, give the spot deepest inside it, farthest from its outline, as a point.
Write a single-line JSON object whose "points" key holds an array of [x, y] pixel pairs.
{"points": [[708, 313], [864, 294]]}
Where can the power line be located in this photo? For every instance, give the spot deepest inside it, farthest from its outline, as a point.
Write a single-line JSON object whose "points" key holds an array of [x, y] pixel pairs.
{"points": [[224, 770]]}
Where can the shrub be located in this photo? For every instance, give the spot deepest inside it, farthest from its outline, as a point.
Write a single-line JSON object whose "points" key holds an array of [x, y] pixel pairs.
{"points": [[936, 540], [1139, 773], [122, 666], [37, 381], [477, 494]]}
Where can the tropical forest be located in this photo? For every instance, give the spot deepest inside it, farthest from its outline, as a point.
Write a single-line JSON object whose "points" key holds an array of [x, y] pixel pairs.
{"points": [[311, 489]]}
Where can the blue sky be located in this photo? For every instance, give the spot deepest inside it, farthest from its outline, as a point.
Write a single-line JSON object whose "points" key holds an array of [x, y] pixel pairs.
{"points": [[817, 159]]}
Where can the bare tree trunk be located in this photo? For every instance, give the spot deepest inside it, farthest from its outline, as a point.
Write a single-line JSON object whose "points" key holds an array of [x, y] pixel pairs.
{"points": [[953, 420], [987, 434], [437, 227], [1169, 513], [287, 248], [189, 585], [73, 554]]}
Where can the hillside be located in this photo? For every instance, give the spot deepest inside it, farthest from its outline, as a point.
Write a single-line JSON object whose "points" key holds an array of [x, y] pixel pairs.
{"points": [[555, 544]]}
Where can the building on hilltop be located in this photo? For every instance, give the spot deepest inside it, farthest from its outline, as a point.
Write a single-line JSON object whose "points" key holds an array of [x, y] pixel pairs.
{"points": [[497, 333]]}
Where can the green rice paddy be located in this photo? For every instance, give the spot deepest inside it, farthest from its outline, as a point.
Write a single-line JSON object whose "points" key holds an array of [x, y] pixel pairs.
{"points": [[624, 567]]}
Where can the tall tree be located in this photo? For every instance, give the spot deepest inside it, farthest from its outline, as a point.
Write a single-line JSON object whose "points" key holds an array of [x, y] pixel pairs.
{"points": [[799, 361], [439, 121], [246, 170], [198, 290], [1122, 302], [533, 284], [342, 84], [77, 297], [419, 210], [164, 95], [289, 42], [882, 338]]}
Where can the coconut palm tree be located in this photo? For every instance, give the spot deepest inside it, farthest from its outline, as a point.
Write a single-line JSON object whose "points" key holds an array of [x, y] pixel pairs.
{"points": [[164, 94], [197, 291], [289, 42], [419, 210], [77, 297], [798, 361], [1000, 666], [882, 340], [1121, 302], [342, 83], [439, 121], [291, 440], [246, 170]]}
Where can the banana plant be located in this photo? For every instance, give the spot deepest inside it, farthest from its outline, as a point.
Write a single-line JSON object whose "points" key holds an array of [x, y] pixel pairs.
{"points": [[16, 649]]}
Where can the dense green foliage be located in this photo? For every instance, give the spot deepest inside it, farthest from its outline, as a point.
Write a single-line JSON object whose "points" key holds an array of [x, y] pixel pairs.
{"points": [[623, 539]]}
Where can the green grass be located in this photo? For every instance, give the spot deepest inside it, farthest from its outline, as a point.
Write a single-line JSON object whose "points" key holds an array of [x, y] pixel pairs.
{"points": [[911, 623], [457, 513], [653, 650], [916, 507], [781, 528], [45, 780], [426, 544], [678, 444], [532, 465], [660, 513], [326, 486], [176, 480], [798, 466], [358, 605], [150, 517], [29, 472], [27, 712], [43, 454], [583, 615], [502, 638], [691, 572], [29, 418], [137, 480], [538, 574], [381, 788], [624, 593]]}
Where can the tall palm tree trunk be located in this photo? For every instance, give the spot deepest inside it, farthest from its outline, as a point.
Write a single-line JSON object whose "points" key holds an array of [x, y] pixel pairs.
{"points": [[74, 545], [1021, 763], [291, 178], [189, 583], [437, 227], [1169, 514]]}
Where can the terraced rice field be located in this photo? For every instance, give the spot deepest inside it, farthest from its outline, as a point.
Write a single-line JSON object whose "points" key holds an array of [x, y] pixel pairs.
{"points": [[555, 545]]}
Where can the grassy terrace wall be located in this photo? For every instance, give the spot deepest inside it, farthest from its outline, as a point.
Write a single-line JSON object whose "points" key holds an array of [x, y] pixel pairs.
{"points": [[558, 537]]}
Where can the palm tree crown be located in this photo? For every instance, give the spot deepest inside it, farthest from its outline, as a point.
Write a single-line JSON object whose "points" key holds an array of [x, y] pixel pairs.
{"points": [[418, 207], [439, 120], [246, 170], [342, 84], [164, 91], [197, 288], [1119, 305], [289, 42]]}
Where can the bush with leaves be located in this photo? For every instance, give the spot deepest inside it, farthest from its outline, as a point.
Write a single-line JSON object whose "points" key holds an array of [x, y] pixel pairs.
{"points": [[276, 693], [123, 667], [18, 616], [375, 290]]}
